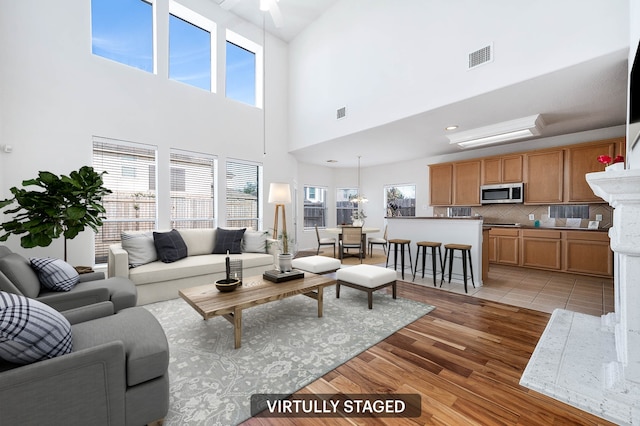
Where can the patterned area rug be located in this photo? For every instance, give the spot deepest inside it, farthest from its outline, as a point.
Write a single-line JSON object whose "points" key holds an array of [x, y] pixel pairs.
{"points": [[285, 346]]}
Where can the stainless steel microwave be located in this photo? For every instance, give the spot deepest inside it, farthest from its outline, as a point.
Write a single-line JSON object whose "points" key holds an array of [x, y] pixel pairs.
{"points": [[502, 193]]}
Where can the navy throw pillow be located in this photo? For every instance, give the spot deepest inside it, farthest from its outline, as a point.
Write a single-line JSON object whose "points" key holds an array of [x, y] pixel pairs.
{"points": [[170, 246]]}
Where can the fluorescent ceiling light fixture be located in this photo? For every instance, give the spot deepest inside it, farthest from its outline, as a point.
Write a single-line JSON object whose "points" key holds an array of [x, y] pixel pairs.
{"points": [[502, 132]]}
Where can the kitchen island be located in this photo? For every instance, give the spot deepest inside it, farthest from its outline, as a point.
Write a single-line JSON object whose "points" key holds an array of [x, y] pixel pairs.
{"points": [[447, 230]]}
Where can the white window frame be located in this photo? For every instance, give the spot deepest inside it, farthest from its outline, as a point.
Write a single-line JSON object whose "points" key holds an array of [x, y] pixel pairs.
{"points": [[321, 193], [257, 50], [200, 21], [260, 191], [214, 187], [396, 185]]}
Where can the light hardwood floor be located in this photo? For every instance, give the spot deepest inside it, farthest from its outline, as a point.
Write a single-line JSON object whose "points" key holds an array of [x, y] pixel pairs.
{"points": [[465, 359]]}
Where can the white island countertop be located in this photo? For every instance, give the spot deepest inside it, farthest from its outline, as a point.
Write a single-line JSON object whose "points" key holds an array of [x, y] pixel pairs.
{"points": [[447, 230]]}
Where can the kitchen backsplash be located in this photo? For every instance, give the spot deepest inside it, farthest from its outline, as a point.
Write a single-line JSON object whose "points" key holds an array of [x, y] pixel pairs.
{"points": [[519, 213]]}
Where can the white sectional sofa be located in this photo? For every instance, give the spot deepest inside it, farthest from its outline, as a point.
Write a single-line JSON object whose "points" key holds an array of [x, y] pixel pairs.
{"points": [[157, 281]]}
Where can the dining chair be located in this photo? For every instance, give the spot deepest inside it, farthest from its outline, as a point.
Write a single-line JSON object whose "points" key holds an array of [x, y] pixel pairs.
{"points": [[351, 239], [325, 242], [379, 241]]}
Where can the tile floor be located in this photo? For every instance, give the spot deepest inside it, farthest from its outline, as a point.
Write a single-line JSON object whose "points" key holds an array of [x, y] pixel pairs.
{"points": [[534, 289]]}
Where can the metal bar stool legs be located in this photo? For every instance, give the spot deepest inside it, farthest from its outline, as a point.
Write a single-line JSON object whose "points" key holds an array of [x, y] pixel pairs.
{"points": [[449, 250], [424, 245], [402, 243]]}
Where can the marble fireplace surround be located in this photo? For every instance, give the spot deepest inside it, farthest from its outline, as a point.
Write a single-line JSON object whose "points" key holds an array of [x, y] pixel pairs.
{"points": [[592, 362]]}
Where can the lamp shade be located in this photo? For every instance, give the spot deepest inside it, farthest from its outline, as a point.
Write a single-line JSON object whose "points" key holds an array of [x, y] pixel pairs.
{"points": [[279, 193]]}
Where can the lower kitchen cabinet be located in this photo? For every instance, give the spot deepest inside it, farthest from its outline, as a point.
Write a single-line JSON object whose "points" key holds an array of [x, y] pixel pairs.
{"points": [[579, 252], [542, 249], [588, 253], [504, 246]]}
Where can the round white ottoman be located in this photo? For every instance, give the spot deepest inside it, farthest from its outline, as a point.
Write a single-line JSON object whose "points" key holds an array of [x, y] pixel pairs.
{"points": [[367, 278], [316, 264]]}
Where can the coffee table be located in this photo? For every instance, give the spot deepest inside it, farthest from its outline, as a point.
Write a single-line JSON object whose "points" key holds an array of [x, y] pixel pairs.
{"points": [[209, 302]]}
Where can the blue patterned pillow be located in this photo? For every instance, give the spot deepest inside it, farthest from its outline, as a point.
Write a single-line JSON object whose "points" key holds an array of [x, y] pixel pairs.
{"points": [[55, 274], [31, 331]]}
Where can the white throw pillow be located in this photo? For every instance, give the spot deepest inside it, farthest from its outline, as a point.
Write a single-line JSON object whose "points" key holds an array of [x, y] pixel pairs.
{"points": [[254, 242], [140, 247]]}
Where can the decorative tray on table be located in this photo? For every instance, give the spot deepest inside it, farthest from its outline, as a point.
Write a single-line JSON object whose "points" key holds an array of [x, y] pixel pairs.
{"points": [[278, 277]]}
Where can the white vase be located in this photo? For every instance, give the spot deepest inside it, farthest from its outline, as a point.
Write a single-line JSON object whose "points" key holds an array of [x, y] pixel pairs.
{"points": [[284, 262], [358, 222]]}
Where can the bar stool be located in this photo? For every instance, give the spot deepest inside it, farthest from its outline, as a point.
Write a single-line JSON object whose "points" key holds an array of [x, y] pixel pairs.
{"points": [[449, 250], [402, 243], [424, 245]]}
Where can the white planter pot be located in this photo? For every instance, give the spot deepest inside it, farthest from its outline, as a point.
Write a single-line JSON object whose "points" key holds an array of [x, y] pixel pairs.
{"points": [[284, 262]]}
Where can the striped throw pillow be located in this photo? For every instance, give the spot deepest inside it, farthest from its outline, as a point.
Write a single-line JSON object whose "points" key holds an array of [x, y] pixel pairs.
{"points": [[31, 331], [55, 274]]}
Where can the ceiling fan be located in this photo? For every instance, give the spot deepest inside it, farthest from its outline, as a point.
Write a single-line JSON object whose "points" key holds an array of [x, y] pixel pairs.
{"points": [[265, 5]]}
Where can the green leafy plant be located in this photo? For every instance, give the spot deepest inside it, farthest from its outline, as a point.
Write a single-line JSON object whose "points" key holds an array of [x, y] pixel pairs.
{"points": [[62, 206]]}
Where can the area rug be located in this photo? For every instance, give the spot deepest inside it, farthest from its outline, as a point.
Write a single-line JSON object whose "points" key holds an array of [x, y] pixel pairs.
{"points": [[285, 346]]}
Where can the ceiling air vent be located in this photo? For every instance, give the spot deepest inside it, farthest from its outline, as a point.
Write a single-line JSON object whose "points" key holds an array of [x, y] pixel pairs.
{"points": [[481, 56], [341, 113]]}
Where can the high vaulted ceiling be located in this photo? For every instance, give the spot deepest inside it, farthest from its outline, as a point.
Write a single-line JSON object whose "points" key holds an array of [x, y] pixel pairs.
{"points": [[591, 95]]}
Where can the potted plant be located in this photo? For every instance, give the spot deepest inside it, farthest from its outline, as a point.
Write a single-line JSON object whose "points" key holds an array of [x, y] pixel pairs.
{"points": [[358, 218], [61, 206]]}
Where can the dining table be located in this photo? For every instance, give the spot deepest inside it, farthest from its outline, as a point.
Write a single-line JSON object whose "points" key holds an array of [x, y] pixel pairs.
{"points": [[365, 230]]}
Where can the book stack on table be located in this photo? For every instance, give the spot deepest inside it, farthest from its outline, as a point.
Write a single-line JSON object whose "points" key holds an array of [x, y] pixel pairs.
{"points": [[278, 277]]}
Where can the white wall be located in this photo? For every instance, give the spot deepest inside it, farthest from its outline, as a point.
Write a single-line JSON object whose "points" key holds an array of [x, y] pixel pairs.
{"points": [[55, 95], [386, 60]]}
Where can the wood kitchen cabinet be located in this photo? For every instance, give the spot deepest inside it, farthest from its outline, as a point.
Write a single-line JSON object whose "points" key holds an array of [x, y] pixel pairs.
{"points": [[441, 184], [581, 160], [504, 169], [588, 253], [544, 177], [504, 246], [542, 249], [466, 183]]}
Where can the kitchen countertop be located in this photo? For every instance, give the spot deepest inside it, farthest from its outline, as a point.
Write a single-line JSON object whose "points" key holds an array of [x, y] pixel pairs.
{"points": [[521, 226]]}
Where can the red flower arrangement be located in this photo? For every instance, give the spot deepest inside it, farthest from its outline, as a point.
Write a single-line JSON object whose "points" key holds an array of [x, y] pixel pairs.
{"points": [[606, 160]]}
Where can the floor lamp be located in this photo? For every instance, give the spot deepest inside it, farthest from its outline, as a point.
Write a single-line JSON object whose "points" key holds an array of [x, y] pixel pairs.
{"points": [[280, 194]]}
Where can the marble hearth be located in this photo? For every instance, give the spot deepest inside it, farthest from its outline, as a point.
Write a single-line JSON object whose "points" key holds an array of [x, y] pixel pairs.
{"points": [[593, 362]]}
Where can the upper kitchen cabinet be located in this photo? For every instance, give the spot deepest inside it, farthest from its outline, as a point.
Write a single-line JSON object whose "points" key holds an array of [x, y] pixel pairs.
{"points": [[466, 183], [544, 177], [504, 169], [441, 184], [581, 160]]}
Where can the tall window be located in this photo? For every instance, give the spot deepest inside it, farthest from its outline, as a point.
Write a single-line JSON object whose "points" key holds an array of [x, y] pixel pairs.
{"points": [[131, 176], [244, 80], [244, 190], [191, 37], [122, 30], [400, 200], [192, 189], [344, 206], [315, 207]]}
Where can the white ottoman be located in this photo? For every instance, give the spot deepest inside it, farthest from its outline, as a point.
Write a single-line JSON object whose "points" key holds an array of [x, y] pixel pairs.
{"points": [[316, 264], [367, 278]]}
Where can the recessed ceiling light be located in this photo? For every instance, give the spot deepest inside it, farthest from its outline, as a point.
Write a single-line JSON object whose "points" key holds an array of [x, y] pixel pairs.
{"points": [[451, 127], [332, 161]]}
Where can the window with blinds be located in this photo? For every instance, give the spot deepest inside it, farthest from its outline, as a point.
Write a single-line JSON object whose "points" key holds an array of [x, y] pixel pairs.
{"points": [[345, 207], [131, 176], [315, 207], [244, 181], [192, 189]]}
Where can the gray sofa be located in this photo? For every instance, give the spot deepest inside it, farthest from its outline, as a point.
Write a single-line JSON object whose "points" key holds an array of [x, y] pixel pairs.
{"points": [[18, 277], [116, 374], [157, 281]]}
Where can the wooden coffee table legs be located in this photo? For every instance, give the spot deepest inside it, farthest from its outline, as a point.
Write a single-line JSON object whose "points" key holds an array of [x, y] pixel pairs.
{"points": [[319, 296], [235, 317]]}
